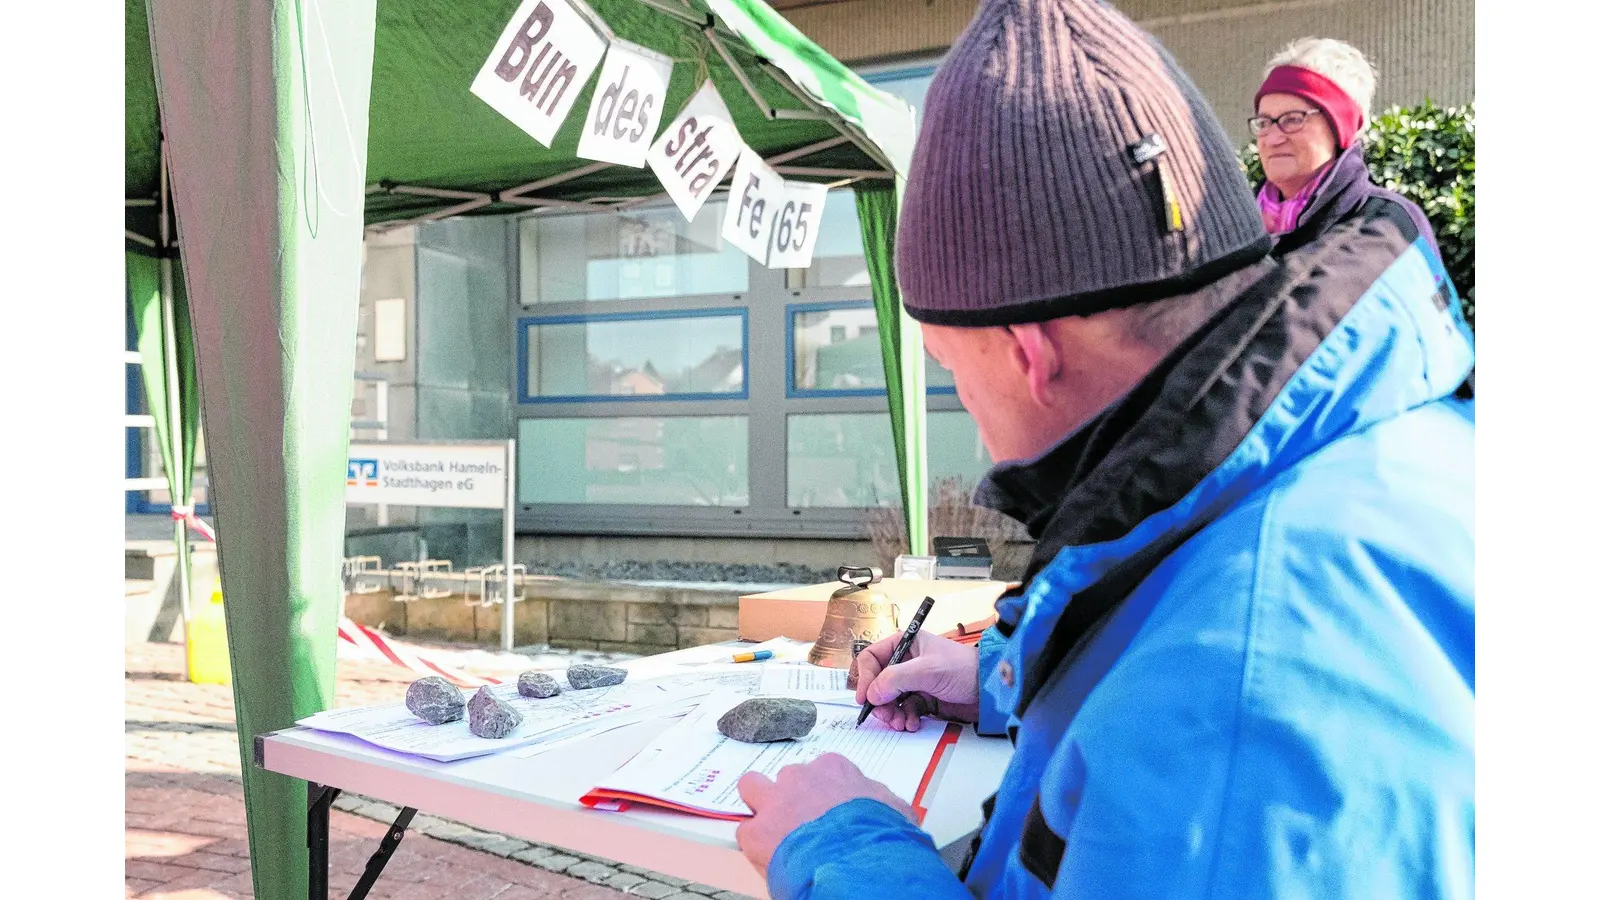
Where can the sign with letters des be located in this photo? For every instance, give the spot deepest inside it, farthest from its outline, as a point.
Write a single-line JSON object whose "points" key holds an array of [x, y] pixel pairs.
{"points": [[626, 109], [539, 66], [696, 151], [795, 225], [458, 475], [753, 198]]}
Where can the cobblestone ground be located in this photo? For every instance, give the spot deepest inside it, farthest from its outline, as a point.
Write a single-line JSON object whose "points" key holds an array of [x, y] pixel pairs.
{"points": [[186, 836]]}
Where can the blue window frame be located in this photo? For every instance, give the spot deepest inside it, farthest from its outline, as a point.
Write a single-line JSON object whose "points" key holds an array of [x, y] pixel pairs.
{"points": [[526, 325], [792, 314]]}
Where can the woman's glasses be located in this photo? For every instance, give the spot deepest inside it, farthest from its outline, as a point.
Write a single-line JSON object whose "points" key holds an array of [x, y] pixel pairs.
{"points": [[1288, 123]]}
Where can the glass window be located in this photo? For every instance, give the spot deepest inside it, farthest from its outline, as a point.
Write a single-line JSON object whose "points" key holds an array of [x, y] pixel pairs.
{"points": [[617, 256], [834, 348], [671, 461], [698, 354], [847, 459]]}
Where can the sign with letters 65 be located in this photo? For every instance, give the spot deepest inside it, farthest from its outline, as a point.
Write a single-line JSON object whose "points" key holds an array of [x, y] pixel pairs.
{"points": [[795, 225]]}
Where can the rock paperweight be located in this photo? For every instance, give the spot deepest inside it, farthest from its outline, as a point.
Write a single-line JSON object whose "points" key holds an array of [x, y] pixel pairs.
{"points": [[489, 717], [583, 677], [766, 719], [434, 700], [537, 685]]}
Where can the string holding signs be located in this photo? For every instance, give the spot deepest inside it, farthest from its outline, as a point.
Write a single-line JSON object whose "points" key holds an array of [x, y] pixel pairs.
{"points": [[753, 197], [540, 65], [627, 104], [696, 151], [795, 225]]}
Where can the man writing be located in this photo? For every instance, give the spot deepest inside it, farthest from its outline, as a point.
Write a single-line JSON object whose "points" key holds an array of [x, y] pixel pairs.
{"points": [[1242, 664]]}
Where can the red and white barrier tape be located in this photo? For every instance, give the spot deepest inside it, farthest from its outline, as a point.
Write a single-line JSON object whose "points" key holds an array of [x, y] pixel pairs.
{"points": [[373, 644], [185, 514]]}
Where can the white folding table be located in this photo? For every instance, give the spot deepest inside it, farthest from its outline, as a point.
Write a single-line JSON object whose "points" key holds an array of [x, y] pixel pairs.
{"points": [[536, 798]]}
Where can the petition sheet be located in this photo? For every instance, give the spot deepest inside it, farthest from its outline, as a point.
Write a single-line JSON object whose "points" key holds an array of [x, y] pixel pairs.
{"points": [[693, 765]]}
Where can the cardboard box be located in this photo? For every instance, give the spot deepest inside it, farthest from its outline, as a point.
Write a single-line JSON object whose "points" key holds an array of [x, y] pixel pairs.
{"points": [[797, 613]]}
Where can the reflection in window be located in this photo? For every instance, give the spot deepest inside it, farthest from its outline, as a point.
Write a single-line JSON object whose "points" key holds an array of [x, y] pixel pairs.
{"points": [[663, 461], [847, 460], [639, 355], [837, 349], [615, 256]]}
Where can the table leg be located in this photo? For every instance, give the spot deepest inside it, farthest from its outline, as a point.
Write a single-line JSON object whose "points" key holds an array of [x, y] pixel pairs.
{"points": [[380, 858], [322, 798]]}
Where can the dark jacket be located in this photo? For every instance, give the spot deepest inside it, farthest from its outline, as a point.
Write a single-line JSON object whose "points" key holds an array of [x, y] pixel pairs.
{"points": [[1346, 189], [1246, 670]]}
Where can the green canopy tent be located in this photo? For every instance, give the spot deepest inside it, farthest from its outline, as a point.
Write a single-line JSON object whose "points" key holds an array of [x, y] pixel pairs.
{"points": [[288, 127]]}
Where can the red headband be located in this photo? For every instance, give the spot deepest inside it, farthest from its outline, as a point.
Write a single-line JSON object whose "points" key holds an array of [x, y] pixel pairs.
{"points": [[1342, 112]]}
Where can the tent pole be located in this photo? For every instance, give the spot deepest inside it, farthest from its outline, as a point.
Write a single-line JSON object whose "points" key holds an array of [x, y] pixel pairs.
{"points": [[169, 357]]}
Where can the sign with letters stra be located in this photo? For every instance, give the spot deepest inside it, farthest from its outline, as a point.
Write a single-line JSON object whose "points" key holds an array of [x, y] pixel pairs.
{"points": [[753, 199], [540, 65], [626, 109], [455, 475], [795, 224], [696, 151]]}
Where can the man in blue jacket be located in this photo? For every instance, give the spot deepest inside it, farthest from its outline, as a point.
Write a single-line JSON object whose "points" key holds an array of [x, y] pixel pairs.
{"points": [[1242, 662]]}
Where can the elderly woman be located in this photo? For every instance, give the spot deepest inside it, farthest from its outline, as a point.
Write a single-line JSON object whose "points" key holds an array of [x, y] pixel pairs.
{"points": [[1313, 106]]}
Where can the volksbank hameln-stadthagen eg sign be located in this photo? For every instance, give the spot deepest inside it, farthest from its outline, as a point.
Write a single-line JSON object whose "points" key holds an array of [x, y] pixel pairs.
{"points": [[454, 475]]}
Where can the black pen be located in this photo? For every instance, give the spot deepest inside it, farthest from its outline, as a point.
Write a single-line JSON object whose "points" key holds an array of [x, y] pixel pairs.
{"points": [[900, 649]]}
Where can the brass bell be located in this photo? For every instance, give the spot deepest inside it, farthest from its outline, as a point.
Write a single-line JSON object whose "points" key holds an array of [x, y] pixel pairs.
{"points": [[856, 612]]}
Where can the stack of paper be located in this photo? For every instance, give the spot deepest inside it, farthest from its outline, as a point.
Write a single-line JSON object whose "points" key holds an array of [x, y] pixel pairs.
{"points": [[693, 768]]}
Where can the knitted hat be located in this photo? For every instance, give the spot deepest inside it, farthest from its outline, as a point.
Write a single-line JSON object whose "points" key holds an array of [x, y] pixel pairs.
{"points": [[1066, 166]]}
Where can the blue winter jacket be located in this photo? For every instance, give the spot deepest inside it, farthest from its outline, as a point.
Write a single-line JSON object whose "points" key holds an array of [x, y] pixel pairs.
{"points": [[1245, 666]]}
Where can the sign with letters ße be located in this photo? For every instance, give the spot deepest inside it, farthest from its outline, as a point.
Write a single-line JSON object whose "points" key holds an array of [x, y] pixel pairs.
{"points": [[696, 151], [540, 65], [626, 109]]}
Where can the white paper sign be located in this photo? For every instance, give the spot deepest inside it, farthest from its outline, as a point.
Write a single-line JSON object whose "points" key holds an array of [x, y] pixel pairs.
{"points": [[456, 475], [795, 225], [696, 151], [626, 109], [539, 66], [753, 201]]}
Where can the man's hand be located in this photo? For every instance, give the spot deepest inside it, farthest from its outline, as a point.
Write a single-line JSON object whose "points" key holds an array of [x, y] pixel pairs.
{"points": [[937, 677], [802, 793]]}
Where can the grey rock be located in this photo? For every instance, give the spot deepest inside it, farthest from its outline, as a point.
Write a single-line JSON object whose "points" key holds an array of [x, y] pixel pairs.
{"points": [[434, 700], [537, 685], [764, 719], [489, 717], [583, 677]]}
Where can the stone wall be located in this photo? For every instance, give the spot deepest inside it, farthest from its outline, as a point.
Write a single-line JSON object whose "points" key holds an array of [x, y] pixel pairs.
{"points": [[568, 614]]}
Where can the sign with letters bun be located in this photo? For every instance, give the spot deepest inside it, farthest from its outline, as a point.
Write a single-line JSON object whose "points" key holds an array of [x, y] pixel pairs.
{"points": [[753, 200], [697, 150], [540, 65], [795, 225], [626, 109]]}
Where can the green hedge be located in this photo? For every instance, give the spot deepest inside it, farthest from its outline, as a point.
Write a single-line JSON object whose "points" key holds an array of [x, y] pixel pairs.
{"points": [[1424, 153]]}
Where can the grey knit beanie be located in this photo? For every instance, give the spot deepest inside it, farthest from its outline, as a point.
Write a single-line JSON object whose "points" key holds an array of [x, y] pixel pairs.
{"points": [[1066, 166]]}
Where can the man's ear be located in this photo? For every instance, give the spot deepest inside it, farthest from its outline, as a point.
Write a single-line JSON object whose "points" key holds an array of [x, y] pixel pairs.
{"points": [[1040, 357]]}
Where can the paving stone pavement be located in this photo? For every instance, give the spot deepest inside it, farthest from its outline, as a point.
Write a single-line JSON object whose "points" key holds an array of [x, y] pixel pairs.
{"points": [[185, 824]]}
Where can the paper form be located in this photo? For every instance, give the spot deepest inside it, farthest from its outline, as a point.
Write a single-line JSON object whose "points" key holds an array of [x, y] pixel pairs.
{"points": [[393, 727], [693, 767], [807, 682]]}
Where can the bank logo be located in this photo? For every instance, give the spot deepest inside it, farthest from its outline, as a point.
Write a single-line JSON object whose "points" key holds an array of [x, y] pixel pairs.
{"points": [[362, 473]]}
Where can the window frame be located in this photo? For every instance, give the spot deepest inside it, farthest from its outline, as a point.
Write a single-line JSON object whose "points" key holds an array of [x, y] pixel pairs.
{"points": [[525, 323]]}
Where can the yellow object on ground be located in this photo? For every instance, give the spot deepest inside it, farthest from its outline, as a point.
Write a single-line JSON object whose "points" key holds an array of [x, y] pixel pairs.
{"points": [[207, 640]]}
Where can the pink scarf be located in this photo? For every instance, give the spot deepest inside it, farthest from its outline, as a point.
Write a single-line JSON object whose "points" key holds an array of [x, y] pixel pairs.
{"points": [[1282, 216]]}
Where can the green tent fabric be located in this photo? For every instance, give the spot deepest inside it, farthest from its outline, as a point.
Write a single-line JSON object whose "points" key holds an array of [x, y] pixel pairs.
{"points": [[264, 111], [878, 209], [144, 286]]}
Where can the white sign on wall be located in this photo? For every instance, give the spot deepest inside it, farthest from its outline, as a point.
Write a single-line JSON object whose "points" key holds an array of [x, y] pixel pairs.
{"points": [[626, 109], [458, 475], [795, 225], [753, 199], [540, 65], [696, 151]]}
